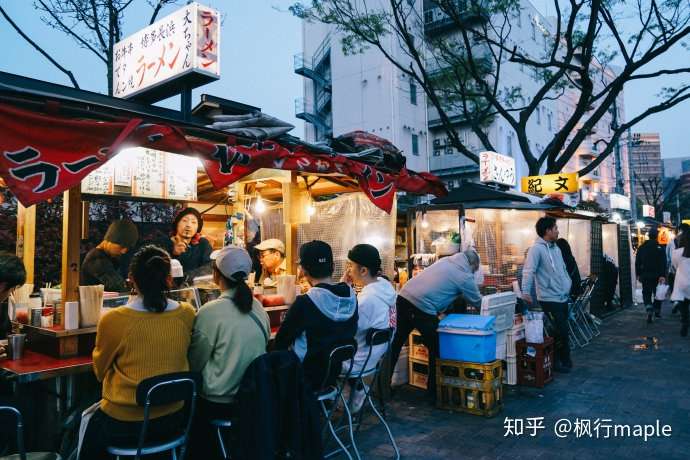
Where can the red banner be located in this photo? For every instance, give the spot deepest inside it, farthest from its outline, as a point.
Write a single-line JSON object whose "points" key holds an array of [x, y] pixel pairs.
{"points": [[42, 156]]}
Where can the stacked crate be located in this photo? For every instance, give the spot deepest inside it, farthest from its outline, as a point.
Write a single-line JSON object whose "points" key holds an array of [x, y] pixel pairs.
{"points": [[535, 362], [501, 306], [469, 387], [419, 361], [517, 332]]}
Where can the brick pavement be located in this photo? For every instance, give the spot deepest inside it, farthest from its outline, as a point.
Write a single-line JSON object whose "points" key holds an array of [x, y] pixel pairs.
{"points": [[610, 381]]}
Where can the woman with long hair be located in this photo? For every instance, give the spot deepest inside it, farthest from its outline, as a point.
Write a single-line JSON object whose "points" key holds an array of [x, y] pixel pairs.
{"points": [[229, 333], [145, 338]]}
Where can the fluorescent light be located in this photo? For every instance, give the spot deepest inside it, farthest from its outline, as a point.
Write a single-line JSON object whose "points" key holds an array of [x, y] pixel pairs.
{"points": [[259, 206]]}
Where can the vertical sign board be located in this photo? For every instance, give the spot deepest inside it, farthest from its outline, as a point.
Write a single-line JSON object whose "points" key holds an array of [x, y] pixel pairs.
{"points": [[182, 43], [648, 211], [496, 169]]}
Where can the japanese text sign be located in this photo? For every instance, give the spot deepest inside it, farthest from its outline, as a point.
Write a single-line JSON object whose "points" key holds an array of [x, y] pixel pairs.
{"points": [[186, 41], [648, 211], [497, 169], [550, 183]]}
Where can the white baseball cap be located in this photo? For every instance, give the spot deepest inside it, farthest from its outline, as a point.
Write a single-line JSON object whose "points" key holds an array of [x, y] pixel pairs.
{"points": [[233, 262], [271, 243]]}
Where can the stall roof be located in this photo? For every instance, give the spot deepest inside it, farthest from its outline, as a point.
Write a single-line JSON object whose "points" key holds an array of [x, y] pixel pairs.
{"points": [[470, 192], [52, 136], [509, 204]]}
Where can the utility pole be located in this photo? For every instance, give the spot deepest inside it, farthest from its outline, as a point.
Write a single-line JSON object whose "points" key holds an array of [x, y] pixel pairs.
{"points": [[633, 200], [619, 189]]}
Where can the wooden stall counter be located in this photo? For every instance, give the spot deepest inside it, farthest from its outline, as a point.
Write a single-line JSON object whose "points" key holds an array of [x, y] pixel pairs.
{"points": [[60, 343], [38, 366]]}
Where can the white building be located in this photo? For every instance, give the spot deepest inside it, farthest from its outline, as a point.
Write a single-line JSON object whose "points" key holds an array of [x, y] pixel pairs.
{"points": [[359, 92], [366, 92]]}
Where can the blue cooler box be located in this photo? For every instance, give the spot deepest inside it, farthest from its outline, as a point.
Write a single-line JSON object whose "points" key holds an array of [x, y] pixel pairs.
{"points": [[468, 338]]}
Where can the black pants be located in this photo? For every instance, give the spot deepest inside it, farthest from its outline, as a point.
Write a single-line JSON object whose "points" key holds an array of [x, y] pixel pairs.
{"points": [[203, 442], [409, 318], [104, 431], [648, 290], [684, 308], [559, 312]]}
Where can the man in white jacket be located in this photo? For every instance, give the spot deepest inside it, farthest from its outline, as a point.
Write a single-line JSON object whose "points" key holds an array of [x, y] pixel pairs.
{"points": [[376, 308], [681, 287]]}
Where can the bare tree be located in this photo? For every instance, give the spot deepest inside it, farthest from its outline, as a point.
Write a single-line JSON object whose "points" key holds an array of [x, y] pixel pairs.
{"points": [[652, 190], [462, 70], [94, 25]]}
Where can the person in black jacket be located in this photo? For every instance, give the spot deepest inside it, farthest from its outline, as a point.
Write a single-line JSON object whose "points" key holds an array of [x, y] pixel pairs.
{"points": [[102, 264], [187, 245], [650, 266], [570, 266], [322, 319]]}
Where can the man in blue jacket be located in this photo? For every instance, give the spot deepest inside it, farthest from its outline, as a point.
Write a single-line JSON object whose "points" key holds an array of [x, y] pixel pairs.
{"points": [[546, 269]]}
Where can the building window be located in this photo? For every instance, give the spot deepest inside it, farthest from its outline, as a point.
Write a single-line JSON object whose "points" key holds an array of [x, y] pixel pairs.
{"points": [[449, 150], [538, 115], [415, 145], [437, 152], [509, 144], [413, 93], [549, 121], [519, 18], [534, 32]]}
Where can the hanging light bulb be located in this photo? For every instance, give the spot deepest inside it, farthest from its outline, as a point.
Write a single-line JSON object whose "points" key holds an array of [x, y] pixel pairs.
{"points": [[259, 206], [425, 223]]}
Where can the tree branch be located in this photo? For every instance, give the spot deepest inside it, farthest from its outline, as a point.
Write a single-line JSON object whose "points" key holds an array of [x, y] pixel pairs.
{"points": [[38, 48]]}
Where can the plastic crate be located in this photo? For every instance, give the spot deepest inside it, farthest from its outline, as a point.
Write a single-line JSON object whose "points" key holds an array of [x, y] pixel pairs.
{"points": [[456, 371], [510, 371], [480, 394], [518, 320], [502, 307], [535, 362], [418, 374], [512, 336], [501, 342], [417, 349]]}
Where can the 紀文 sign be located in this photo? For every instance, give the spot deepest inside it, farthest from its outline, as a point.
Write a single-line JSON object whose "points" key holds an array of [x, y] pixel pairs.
{"points": [[495, 168], [185, 45], [550, 183]]}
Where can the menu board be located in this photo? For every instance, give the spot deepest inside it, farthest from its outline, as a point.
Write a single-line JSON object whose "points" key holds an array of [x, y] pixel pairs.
{"points": [[145, 173]]}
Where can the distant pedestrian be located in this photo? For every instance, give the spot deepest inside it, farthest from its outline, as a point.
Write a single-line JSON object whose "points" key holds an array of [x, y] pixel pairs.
{"points": [[670, 247], [650, 266], [681, 288], [430, 293], [546, 268]]}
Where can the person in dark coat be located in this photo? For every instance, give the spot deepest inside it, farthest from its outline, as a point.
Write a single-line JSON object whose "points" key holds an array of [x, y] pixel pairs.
{"points": [[571, 266], [187, 245], [101, 264], [650, 266], [276, 415]]}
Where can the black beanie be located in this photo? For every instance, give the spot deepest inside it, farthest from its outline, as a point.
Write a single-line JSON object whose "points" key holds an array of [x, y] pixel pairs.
{"points": [[183, 213], [367, 256]]}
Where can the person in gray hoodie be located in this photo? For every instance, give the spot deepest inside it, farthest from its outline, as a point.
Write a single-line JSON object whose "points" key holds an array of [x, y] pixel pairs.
{"points": [[546, 269], [322, 319], [430, 293]]}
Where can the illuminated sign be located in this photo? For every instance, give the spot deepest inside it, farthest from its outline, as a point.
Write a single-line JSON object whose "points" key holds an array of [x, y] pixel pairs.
{"points": [[550, 183], [182, 43], [496, 169], [618, 201], [648, 211]]}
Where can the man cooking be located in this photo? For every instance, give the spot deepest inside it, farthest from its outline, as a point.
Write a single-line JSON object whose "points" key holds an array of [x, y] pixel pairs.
{"points": [[272, 260], [187, 245], [101, 264]]}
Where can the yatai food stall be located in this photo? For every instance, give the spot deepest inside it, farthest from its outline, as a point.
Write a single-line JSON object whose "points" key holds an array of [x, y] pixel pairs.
{"points": [[58, 140]]}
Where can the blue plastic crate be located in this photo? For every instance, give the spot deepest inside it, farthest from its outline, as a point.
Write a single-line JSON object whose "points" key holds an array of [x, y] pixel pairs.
{"points": [[469, 338]]}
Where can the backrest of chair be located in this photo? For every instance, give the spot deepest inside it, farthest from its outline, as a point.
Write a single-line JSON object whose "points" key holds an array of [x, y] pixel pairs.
{"points": [[336, 357], [168, 388], [378, 336], [20, 428]]}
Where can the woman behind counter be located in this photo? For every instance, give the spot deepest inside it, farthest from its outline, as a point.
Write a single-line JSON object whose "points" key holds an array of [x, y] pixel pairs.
{"points": [[148, 337], [186, 243]]}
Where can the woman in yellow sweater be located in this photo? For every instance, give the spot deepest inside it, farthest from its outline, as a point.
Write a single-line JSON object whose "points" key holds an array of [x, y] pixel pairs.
{"points": [[145, 338]]}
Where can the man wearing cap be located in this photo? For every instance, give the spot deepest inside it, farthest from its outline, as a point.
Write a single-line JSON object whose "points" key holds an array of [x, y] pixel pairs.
{"points": [[272, 260], [101, 264], [186, 243], [322, 319], [229, 333]]}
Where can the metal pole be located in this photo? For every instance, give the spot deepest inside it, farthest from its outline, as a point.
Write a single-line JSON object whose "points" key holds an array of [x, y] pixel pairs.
{"points": [[633, 198]]}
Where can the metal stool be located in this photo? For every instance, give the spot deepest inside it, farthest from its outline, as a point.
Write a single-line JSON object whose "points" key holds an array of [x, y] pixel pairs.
{"points": [[157, 391], [220, 425], [334, 394], [22, 454]]}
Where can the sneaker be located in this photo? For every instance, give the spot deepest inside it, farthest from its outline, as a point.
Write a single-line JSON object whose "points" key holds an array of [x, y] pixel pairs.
{"points": [[357, 397]]}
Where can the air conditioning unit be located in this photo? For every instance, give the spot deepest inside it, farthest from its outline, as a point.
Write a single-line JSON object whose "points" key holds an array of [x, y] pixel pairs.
{"points": [[437, 142]]}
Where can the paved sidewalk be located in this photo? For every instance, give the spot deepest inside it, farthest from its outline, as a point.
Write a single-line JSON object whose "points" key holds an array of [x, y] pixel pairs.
{"points": [[610, 381]]}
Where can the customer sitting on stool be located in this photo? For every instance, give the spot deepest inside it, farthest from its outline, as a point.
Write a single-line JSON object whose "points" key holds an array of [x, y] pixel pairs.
{"points": [[430, 293]]}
